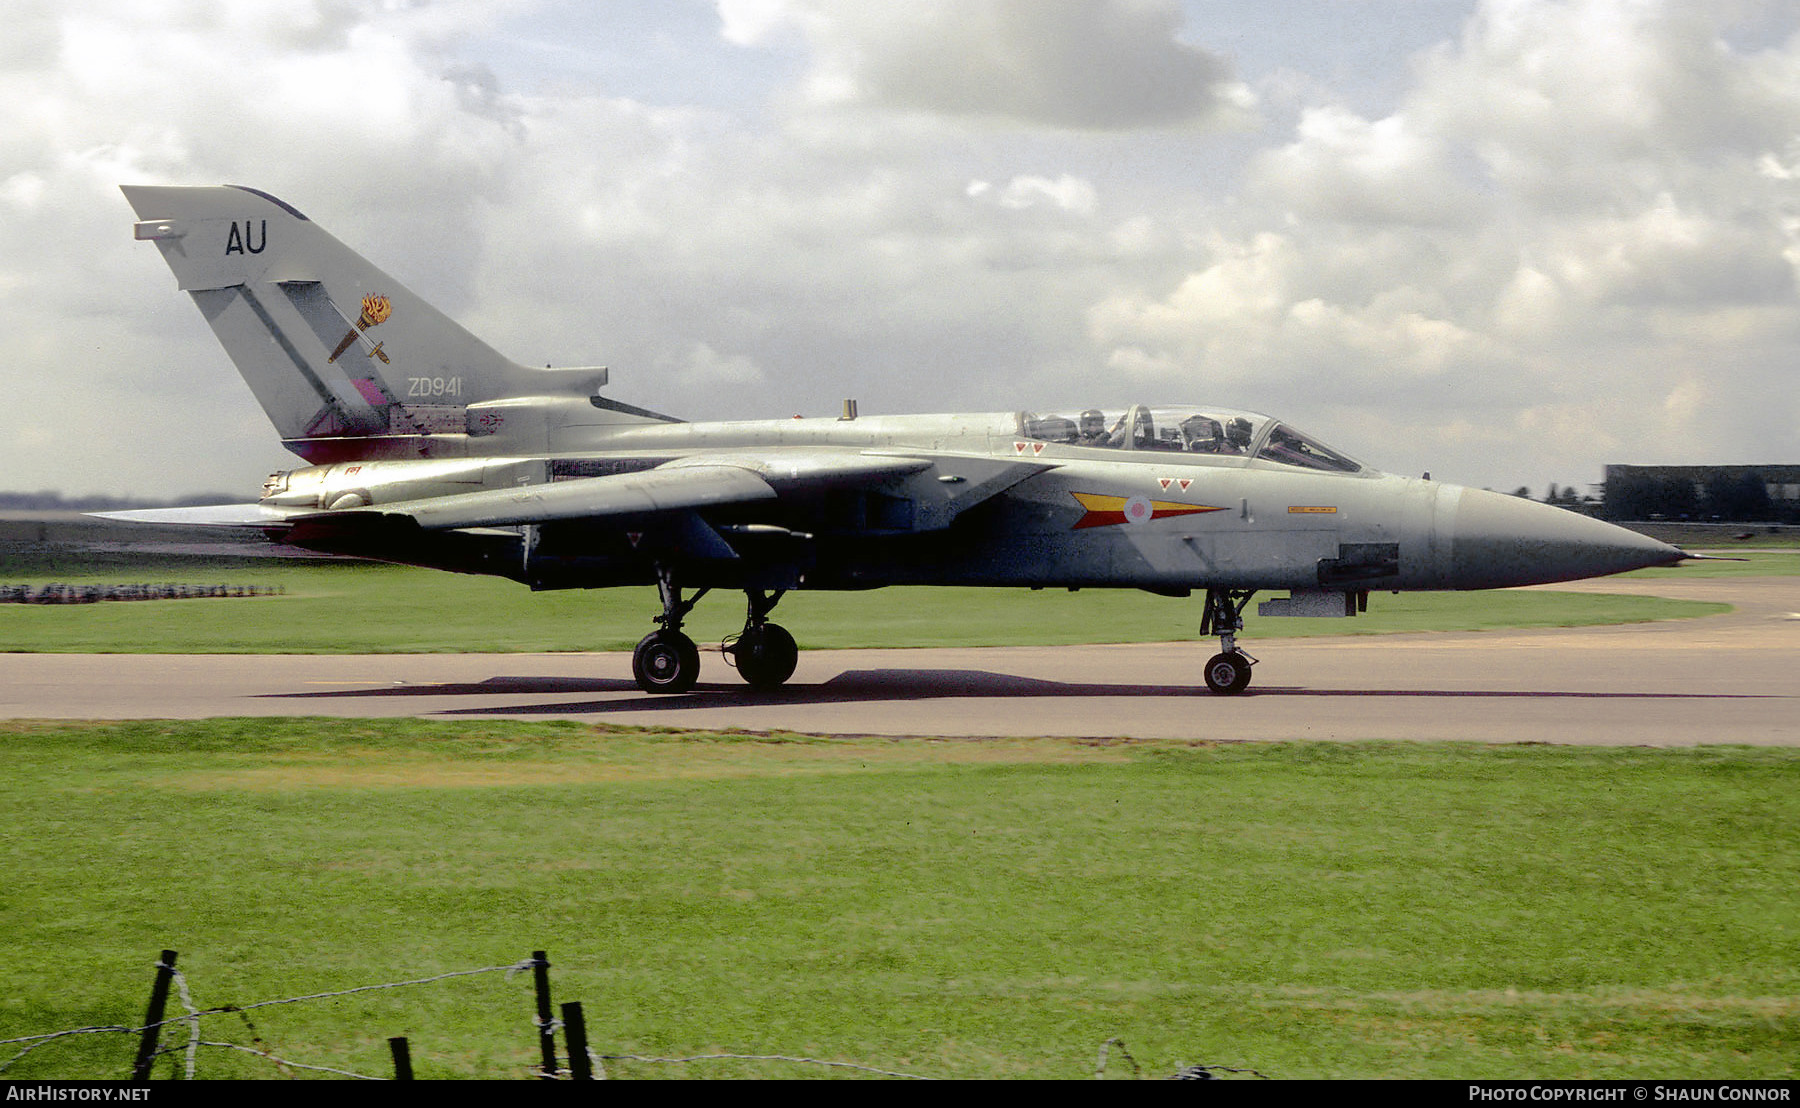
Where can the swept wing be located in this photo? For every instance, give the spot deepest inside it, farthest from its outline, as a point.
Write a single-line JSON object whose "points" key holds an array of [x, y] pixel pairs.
{"points": [[694, 482]]}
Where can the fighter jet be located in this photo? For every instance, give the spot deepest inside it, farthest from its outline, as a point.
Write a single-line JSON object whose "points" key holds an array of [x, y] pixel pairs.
{"points": [[424, 446]]}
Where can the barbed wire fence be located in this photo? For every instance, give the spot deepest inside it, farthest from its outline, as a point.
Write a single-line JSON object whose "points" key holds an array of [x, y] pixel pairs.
{"points": [[578, 1061]]}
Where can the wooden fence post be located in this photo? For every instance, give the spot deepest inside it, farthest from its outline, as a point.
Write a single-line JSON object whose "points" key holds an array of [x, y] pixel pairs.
{"points": [[402, 1058], [546, 1027]]}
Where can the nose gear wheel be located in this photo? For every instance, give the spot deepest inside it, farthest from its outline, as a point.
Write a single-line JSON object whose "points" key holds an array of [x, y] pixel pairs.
{"points": [[1227, 672]]}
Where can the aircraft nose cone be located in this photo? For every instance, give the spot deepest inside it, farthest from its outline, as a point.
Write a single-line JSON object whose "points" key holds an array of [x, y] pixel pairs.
{"points": [[1499, 541]]}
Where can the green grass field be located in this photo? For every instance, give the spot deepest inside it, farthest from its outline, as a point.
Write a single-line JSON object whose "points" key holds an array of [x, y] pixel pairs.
{"points": [[939, 908], [374, 609]]}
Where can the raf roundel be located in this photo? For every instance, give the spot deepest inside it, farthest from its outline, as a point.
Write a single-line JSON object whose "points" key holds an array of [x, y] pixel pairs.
{"points": [[1139, 510]]}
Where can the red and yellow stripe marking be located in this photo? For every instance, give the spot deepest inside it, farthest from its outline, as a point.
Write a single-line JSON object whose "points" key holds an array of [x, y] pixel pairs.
{"points": [[1107, 511]]}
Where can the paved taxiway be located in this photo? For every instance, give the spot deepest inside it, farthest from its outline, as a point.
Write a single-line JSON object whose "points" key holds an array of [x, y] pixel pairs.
{"points": [[1722, 679]]}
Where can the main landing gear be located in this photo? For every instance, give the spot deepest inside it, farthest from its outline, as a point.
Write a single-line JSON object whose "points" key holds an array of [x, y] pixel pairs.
{"points": [[764, 653], [667, 661], [1227, 672]]}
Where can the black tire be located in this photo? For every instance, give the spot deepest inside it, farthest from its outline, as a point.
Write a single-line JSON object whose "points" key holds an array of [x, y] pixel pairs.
{"points": [[666, 662], [766, 656], [1228, 674]]}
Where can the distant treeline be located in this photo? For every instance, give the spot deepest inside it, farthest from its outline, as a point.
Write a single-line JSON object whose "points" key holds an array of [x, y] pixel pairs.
{"points": [[1722, 495], [93, 594], [57, 502]]}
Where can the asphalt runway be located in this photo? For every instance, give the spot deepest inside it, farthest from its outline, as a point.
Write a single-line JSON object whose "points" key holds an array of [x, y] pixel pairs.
{"points": [[1724, 679]]}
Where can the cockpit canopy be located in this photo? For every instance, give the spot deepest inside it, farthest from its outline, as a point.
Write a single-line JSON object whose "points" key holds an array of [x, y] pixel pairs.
{"points": [[1215, 431]]}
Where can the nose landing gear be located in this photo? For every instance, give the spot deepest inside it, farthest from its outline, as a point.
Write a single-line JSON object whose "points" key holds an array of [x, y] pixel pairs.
{"points": [[1227, 672]]}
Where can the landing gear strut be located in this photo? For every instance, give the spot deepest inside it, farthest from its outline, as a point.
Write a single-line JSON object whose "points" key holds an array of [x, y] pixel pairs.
{"points": [[667, 661], [764, 653], [1227, 672]]}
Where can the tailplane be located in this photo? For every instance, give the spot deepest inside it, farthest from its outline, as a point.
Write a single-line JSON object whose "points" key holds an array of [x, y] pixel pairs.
{"points": [[345, 360]]}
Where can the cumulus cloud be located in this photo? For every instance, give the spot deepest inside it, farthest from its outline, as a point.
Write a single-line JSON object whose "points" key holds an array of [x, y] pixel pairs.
{"points": [[1259, 316], [1574, 230], [1580, 102], [1579, 202], [705, 367], [1087, 64], [720, 272], [1387, 171], [343, 99], [1065, 193]]}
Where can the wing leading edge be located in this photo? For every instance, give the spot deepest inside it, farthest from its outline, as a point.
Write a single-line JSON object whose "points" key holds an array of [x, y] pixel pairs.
{"points": [[650, 492], [694, 482]]}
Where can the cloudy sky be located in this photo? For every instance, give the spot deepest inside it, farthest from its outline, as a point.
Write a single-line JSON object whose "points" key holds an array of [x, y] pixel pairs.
{"points": [[1507, 241]]}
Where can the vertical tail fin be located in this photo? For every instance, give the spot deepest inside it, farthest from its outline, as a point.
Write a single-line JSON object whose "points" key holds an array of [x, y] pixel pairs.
{"points": [[344, 359]]}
